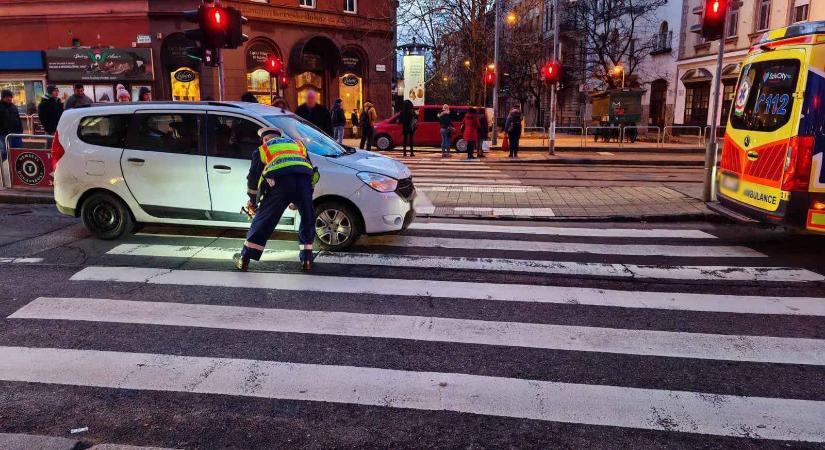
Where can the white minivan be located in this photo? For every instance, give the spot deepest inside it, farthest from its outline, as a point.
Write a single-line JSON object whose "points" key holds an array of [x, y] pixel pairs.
{"points": [[186, 163]]}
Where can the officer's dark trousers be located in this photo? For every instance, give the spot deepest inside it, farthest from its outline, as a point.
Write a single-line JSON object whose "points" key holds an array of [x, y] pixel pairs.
{"points": [[296, 189]]}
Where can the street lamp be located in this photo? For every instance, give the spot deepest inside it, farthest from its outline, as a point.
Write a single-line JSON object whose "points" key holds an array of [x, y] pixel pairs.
{"points": [[512, 18], [617, 70], [467, 63]]}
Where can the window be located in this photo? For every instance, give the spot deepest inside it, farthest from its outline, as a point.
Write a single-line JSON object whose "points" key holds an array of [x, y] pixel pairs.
{"points": [[733, 22], [315, 140], [106, 131], [307, 3], [697, 98], [165, 132], [763, 15], [431, 114], [351, 6], [800, 13], [765, 95], [232, 137]]}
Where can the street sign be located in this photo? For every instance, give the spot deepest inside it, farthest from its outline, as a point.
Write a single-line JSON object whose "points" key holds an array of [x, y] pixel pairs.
{"points": [[31, 168], [380, 68], [143, 39]]}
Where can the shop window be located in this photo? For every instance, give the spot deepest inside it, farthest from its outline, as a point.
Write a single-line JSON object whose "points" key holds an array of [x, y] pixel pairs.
{"points": [[186, 85], [106, 131], [258, 80], [351, 6], [25, 94], [351, 90], [232, 137], [168, 133], [305, 82]]}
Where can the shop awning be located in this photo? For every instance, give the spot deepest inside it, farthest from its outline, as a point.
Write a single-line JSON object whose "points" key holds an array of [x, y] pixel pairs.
{"points": [[21, 60]]}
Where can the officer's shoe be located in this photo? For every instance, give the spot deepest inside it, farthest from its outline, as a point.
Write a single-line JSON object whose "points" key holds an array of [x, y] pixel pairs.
{"points": [[241, 263], [307, 258]]}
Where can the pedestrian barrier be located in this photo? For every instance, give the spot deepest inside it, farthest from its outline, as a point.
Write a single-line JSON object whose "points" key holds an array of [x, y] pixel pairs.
{"points": [[29, 162], [536, 130], [580, 133], [698, 133], [720, 132], [608, 132], [647, 128]]}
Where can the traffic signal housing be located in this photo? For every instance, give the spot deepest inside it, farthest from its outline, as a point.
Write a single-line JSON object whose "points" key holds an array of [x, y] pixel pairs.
{"points": [[490, 77], [713, 19], [235, 37], [273, 65], [215, 26], [551, 72], [283, 81]]}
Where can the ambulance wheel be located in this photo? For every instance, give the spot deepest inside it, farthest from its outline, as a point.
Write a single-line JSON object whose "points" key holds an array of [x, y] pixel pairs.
{"points": [[106, 216], [337, 225]]}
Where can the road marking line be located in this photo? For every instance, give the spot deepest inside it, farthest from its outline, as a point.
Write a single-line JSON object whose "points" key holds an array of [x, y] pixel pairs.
{"points": [[20, 260], [761, 349], [674, 272], [478, 189], [740, 304], [650, 409], [562, 231]]}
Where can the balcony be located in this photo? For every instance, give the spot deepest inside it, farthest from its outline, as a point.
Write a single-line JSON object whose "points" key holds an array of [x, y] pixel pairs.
{"points": [[661, 43]]}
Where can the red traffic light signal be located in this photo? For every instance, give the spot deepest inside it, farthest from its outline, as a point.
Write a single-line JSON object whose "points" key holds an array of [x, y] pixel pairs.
{"points": [[490, 77], [215, 26], [273, 65], [713, 19], [551, 72], [283, 81]]}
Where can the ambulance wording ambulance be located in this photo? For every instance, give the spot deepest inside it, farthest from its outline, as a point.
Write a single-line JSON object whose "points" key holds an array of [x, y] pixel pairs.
{"points": [[772, 169]]}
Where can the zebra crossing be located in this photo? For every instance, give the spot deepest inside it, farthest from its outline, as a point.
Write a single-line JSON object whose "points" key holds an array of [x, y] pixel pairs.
{"points": [[724, 314]]}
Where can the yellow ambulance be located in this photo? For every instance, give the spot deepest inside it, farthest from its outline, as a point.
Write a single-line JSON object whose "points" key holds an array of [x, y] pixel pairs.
{"points": [[771, 169]]}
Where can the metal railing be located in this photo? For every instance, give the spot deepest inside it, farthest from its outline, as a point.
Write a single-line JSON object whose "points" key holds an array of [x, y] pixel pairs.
{"points": [[580, 134], [32, 143], [698, 133], [612, 130], [640, 127], [720, 132], [537, 130]]}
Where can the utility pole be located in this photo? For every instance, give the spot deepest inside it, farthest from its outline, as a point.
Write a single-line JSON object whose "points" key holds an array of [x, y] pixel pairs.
{"points": [[496, 21], [221, 86], [708, 193], [553, 87]]}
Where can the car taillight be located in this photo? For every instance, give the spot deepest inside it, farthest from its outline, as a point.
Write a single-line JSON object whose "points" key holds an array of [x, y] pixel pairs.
{"points": [[798, 163], [57, 151]]}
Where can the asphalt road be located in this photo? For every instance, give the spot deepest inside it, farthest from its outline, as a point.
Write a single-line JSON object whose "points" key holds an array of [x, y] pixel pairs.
{"points": [[459, 334]]}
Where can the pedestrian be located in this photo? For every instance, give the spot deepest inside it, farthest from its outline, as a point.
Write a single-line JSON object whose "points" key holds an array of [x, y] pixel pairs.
{"points": [[249, 97], [483, 132], [367, 126], [79, 99], [144, 94], [339, 121], [50, 109], [470, 132], [281, 176], [445, 122], [9, 121], [512, 126], [353, 118], [280, 102], [409, 122], [122, 95], [315, 113]]}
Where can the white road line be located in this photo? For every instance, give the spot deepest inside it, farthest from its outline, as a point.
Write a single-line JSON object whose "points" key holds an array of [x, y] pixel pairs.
{"points": [[565, 247], [562, 231], [423, 204], [650, 409], [672, 272], [20, 260], [741, 304], [522, 212], [761, 349], [478, 189]]}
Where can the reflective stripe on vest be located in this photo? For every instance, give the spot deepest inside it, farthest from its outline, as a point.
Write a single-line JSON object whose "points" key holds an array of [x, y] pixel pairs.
{"points": [[282, 153]]}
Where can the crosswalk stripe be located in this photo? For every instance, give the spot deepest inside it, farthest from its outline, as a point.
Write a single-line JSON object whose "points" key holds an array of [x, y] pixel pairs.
{"points": [[651, 409], [436, 329], [563, 231], [804, 306], [635, 271]]}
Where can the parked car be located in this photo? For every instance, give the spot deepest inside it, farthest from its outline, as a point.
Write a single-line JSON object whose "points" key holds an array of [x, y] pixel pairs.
{"points": [[186, 163], [388, 133]]}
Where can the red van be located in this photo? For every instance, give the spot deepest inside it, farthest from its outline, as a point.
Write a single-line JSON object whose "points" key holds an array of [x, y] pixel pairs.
{"points": [[428, 134]]}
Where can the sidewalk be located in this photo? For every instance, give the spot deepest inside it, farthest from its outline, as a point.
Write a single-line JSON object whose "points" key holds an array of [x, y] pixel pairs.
{"points": [[10, 441]]}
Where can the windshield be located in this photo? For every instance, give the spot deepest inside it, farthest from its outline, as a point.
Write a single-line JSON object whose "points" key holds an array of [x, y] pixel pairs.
{"points": [[314, 139], [764, 98]]}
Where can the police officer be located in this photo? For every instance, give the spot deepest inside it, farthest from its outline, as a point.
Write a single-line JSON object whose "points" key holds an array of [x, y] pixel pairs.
{"points": [[281, 175]]}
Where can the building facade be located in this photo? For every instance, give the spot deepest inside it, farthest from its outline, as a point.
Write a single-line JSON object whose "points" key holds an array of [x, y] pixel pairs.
{"points": [[697, 61], [341, 48]]}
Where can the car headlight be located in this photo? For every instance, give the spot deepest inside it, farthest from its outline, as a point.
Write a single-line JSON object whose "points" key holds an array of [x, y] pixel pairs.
{"points": [[380, 183]]}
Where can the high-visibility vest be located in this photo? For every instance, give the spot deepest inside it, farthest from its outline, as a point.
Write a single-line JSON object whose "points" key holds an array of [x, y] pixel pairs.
{"points": [[281, 153]]}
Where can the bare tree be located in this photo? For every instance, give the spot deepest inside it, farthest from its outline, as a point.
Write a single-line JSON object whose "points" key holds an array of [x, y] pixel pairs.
{"points": [[523, 54]]}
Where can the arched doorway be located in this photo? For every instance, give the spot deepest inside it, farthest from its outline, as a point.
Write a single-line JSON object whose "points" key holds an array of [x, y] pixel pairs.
{"points": [[181, 73], [658, 102], [697, 96], [313, 64]]}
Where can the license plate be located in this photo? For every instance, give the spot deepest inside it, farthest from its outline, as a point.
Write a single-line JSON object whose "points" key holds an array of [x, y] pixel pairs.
{"points": [[730, 183]]}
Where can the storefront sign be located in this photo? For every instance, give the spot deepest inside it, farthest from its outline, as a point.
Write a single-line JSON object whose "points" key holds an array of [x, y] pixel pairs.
{"points": [[311, 61], [257, 54], [31, 168], [380, 68], [414, 79], [143, 39], [350, 80], [186, 85], [351, 63], [105, 64], [185, 75]]}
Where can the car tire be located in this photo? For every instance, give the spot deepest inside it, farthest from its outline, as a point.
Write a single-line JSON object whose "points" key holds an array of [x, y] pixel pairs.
{"points": [[106, 216], [460, 145], [337, 225], [383, 142]]}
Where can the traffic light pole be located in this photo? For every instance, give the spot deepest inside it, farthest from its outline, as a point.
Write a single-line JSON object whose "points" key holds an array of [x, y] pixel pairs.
{"points": [[556, 30], [711, 149], [221, 86], [496, 21]]}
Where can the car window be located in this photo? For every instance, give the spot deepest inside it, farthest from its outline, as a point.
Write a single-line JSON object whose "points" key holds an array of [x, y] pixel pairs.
{"points": [[765, 95], [165, 132], [431, 114], [107, 131], [457, 114], [232, 137], [315, 140]]}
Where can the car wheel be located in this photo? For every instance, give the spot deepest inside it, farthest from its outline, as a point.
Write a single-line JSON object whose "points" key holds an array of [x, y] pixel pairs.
{"points": [[383, 142], [337, 225], [106, 217], [460, 145]]}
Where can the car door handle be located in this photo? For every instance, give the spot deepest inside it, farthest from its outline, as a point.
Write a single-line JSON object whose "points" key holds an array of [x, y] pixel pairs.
{"points": [[222, 167], [137, 161]]}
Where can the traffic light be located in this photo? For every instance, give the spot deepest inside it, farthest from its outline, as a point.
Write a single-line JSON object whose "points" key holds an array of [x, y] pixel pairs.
{"points": [[283, 81], [551, 72], [273, 65], [211, 33], [207, 56], [713, 19], [490, 77], [215, 26], [235, 37]]}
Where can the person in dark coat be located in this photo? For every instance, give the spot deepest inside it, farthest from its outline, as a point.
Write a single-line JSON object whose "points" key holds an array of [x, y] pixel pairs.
{"points": [[339, 121], [483, 132], [367, 122], [316, 113], [409, 122], [9, 121], [50, 109], [248, 97], [144, 94], [513, 128], [470, 133], [79, 99]]}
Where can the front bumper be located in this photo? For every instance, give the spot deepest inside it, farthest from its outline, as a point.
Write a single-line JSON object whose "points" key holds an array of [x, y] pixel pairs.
{"points": [[383, 212]]}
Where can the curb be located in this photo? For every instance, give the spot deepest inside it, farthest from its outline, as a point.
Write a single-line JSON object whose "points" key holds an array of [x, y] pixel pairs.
{"points": [[664, 218], [14, 441], [26, 197]]}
